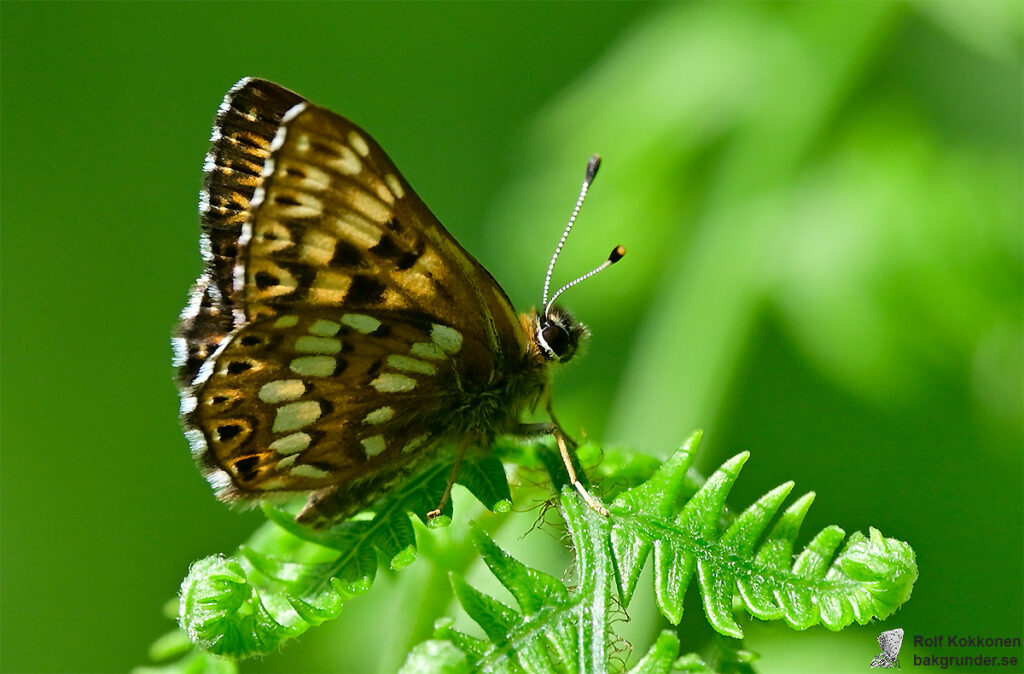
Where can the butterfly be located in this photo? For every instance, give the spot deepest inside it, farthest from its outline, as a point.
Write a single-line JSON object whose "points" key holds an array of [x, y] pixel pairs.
{"points": [[890, 642], [339, 337]]}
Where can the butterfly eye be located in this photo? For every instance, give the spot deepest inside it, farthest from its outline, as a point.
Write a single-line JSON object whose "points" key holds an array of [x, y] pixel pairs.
{"points": [[556, 339]]}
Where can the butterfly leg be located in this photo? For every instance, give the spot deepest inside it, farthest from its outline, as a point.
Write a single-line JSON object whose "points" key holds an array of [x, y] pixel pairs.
{"points": [[567, 459], [463, 446], [561, 437]]}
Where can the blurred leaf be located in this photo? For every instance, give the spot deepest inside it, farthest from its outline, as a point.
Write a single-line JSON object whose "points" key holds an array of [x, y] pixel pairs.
{"points": [[889, 241], [994, 28]]}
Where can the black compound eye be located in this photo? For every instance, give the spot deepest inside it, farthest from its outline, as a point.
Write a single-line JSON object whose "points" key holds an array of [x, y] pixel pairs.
{"points": [[556, 338]]}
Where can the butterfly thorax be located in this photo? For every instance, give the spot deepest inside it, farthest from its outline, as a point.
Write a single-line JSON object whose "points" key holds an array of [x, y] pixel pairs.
{"points": [[495, 404]]}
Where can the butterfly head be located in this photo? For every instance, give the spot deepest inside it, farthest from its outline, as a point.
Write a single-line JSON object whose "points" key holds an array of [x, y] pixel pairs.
{"points": [[557, 334]]}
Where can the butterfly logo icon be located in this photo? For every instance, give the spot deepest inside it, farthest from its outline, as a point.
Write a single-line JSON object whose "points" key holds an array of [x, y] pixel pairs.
{"points": [[890, 642]]}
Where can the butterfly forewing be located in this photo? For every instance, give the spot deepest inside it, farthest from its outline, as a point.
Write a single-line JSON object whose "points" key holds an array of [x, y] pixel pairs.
{"points": [[891, 641], [246, 125], [335, 224]]}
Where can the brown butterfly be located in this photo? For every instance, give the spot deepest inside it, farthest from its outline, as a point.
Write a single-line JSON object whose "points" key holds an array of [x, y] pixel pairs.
{"points": [[339, 337]]}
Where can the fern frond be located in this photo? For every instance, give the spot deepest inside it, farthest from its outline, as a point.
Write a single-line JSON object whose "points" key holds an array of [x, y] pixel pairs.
{"points": [[554, 629], [870, 578], [687, 531], [289, 578]]}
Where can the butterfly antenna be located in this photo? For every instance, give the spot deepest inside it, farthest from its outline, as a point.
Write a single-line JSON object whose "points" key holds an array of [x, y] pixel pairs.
{"points": [[615, 256], [592, 166]]}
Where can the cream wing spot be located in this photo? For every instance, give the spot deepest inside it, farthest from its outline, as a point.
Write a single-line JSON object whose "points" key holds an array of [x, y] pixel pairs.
{"points": [[307, 176], [329, 287], [291, 444], [310, 344], [317, 248], [383, 193], [370, 207], [345, 162], [294, 416], [270, 280], [286, 462], [355, 229], [324, 328], [273, 237], [393, 383], [305, 470], [358, 143], [373, 445], [282, 390], [379, 415], [286, 322], [395, 185], [410, 364], [427, 350], [313, 366], [449, 339], [361, 323], [292, 204]]}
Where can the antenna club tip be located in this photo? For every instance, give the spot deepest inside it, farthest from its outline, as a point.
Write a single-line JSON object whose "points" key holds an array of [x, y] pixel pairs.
{"points": [[592, 166], [617, 254]]}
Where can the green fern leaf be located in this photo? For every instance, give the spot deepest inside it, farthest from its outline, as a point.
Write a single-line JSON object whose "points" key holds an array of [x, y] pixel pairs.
{"points": [[289, 578], [689, 533], [869, 579], [553, 629], [659, 659]]}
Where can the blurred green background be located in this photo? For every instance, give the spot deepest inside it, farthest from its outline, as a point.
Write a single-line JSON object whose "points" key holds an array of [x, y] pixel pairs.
{"points": [[822, 206]]}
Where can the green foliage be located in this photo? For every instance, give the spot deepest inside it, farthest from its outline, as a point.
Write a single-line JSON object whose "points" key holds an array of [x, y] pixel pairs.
{"points": [[288, 578], [557, 629], [869, 579]]}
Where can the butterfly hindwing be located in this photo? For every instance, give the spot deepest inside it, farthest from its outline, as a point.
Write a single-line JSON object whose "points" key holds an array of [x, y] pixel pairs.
{"points": [[882, 662], [325, 398]]}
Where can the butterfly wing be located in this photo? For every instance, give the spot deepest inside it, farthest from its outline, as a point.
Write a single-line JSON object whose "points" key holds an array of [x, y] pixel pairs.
{"points": [[306, 402], [338, 225], [891, 641], [881, 661], [246, 125], [309, 228], [302, 207]]}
